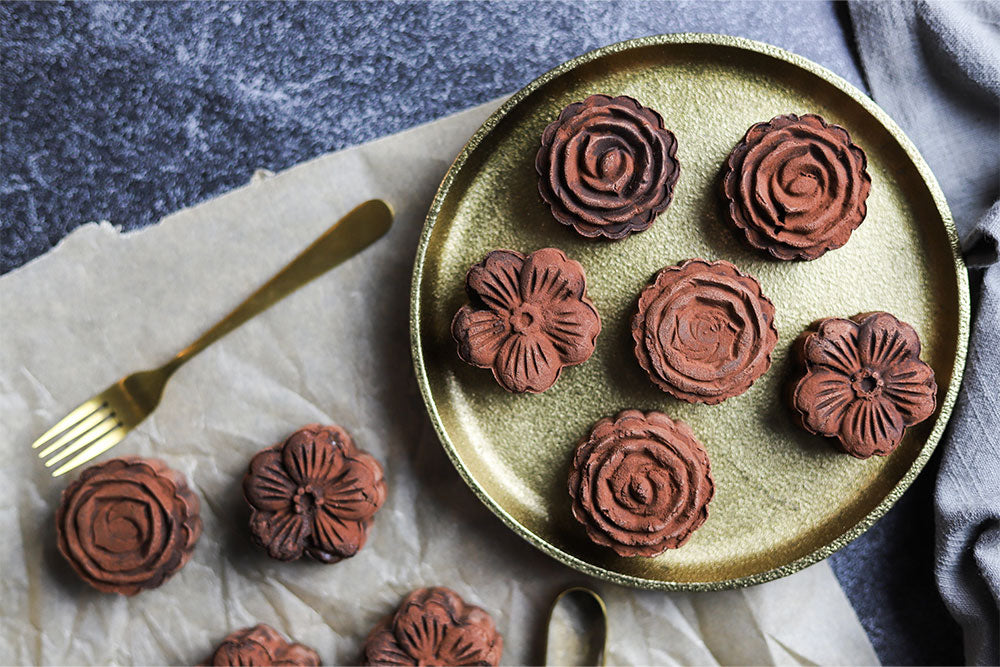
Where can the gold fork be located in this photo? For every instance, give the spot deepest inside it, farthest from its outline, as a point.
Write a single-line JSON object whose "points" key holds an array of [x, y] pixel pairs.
{"points": [[101, 422]]}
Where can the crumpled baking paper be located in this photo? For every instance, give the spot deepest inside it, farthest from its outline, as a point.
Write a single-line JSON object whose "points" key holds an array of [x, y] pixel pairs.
{"points": [[103, 304]]}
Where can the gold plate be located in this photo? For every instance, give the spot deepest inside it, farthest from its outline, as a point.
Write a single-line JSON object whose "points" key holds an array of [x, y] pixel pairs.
{"points": [[784, 499]]}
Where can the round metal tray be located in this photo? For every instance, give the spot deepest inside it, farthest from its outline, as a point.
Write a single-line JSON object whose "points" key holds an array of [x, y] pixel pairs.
{"points": [[784, 499]]}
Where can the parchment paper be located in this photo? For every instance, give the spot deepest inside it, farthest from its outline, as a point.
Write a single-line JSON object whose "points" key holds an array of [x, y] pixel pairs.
{"points": [[103, 304]]}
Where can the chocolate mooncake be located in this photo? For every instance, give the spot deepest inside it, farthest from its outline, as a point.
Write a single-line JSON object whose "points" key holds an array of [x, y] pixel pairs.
{"points": [[528, 317], [434, 626], [128, 524], [607, 167], [315, 493], [703, 331], [640, 483], [262, 645], [796, 186], [862, 382]]}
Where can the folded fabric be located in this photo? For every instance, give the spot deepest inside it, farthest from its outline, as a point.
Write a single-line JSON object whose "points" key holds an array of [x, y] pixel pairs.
{"points": [[934, 68]]}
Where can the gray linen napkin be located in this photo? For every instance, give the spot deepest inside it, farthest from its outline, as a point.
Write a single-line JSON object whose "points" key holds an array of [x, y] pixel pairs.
{"points": [[935, 67]]}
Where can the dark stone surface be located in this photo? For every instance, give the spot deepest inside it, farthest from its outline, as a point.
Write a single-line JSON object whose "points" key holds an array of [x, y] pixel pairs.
{"points": [[127, 112]]}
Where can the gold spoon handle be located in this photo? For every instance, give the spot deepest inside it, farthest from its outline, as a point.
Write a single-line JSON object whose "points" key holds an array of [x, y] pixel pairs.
{"points": [[354, 232], [577, 629]]}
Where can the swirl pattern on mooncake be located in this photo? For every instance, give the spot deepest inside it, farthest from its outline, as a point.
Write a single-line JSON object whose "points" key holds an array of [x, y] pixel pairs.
{"points": [[704, 332], [128, 524], [640, 483], [864, 382], [607, 167], [796, 186], [434, 626]]}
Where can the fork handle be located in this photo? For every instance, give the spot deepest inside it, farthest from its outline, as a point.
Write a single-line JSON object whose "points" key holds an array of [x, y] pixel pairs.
{"points": [[354, 232]]}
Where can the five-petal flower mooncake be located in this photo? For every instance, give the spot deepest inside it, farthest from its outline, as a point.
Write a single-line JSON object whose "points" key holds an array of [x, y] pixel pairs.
{"points": [[528, 317], [434, 626], [864, 382], [262, 645], [315, 493]]}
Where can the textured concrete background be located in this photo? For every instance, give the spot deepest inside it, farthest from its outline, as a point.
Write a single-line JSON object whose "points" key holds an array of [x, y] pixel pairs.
{"points": [[128, 112]]}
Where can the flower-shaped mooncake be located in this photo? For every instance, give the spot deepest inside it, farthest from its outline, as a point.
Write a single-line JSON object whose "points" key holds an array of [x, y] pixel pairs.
{"points": [[316, 493], [528, 317], [262, 645], [434, 626], [704, 331], [864, 382]]}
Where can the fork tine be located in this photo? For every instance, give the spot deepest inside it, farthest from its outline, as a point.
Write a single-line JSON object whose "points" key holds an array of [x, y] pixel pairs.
{"points": [[81, 427], [84, 440], [69, 420], [102, 445]]}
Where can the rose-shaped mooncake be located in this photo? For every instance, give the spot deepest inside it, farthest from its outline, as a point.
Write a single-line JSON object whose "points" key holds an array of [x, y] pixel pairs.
{"points": [[434, 626], [704, 332], [607, 167], [315, 493], [128, 524], [864, 382], [528, 318], [640, 483], [262, 645], [796, 186]]}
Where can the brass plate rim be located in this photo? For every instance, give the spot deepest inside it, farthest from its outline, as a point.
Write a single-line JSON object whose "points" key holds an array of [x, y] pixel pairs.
{"points": [[961, 275]]}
